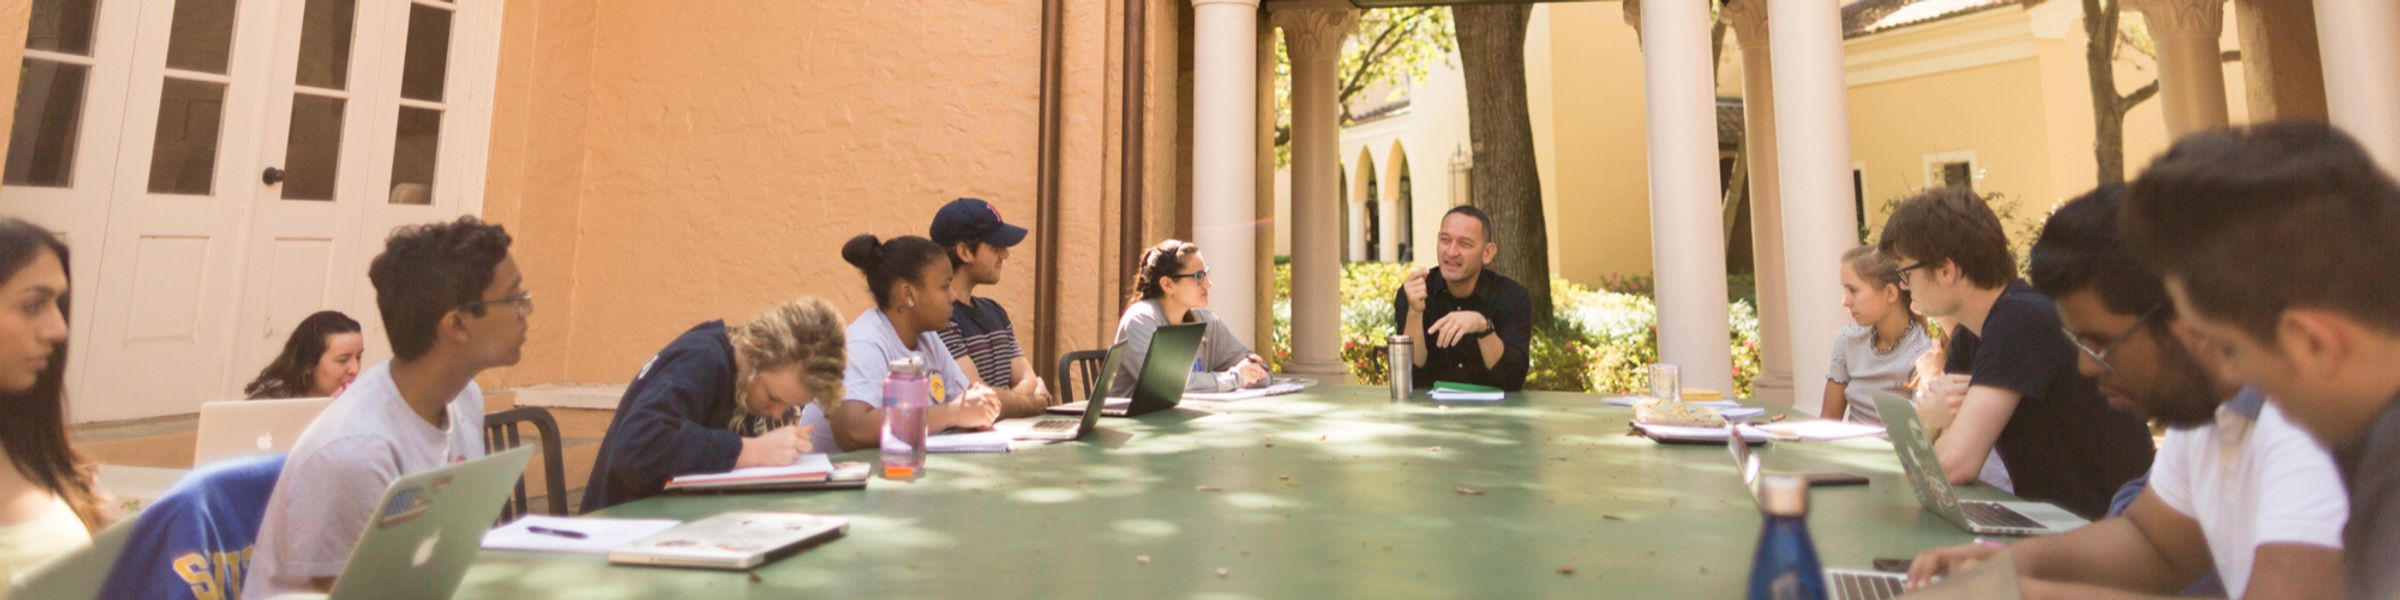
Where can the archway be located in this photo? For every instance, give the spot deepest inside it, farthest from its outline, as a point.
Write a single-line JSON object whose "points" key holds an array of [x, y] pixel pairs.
{"points": [[1404, 205]]}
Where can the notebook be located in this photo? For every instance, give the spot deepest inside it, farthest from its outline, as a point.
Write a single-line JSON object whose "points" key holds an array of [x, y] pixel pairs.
{"points": [[580, 535], [731, 541], [1450, 391], [812, 468]]}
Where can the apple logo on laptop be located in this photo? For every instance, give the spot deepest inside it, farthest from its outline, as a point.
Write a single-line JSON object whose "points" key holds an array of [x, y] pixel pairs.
{"points": [[266, 441], [425, 550]]}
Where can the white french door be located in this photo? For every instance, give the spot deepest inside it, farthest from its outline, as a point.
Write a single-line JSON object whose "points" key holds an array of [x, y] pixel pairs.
{"points": [[222, 168]]}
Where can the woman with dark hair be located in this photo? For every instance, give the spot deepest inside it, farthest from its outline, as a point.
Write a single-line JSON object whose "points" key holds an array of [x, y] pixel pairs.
{"points": [[48, 504], [320, 359], [1171, 287], [910, 278]]}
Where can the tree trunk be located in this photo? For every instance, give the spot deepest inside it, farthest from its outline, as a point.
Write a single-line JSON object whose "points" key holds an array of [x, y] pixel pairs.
{"points": [[2108, 118], [1504, 182]]}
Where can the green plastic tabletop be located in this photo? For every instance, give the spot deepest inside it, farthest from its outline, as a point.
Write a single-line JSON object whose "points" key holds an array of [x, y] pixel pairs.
{"points": [[1334, 492]]}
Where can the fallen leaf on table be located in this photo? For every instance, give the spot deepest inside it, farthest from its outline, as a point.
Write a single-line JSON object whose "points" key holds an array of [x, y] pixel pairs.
{"points": [[1222, 572], [1284, 477], [1566, 570], [1141, 558], [754, 577], [1468, 491], [1435, 449], [1612, 517], [1320, 438], [1206, 488]]}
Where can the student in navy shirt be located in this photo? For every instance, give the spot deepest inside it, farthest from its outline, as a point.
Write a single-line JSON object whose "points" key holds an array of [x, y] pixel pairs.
{"points": [[980, 336], [719, 398], [2011, 383]]}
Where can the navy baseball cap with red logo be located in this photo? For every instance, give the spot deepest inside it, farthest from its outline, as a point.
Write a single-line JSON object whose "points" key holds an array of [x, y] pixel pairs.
{"points": [[969, 219]]}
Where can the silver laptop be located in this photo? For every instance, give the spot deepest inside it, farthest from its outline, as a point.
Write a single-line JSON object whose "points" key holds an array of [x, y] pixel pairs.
{"points": [[1058, 428], [233, 428], [428, 528], [1925, 473]]}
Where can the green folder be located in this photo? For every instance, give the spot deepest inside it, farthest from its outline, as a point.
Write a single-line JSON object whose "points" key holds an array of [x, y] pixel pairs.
{"points": [[1463, 387]]}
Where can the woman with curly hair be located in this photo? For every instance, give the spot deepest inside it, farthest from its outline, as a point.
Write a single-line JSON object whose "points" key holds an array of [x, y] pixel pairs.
{"points": [[720, 398]]}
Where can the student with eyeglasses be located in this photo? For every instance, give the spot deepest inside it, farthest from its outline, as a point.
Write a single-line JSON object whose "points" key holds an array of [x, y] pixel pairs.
{"points": [[2011, 383], [1171, 287]]}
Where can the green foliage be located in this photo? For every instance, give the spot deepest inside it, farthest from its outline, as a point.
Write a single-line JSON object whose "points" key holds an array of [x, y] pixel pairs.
{"points": [[1600, 341], [1389, 45]]}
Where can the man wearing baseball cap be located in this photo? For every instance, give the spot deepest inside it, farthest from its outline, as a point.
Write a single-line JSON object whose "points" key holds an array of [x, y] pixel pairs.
{"points": [[980, 334]]}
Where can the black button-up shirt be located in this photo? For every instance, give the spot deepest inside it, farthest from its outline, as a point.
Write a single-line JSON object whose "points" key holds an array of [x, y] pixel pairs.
{"points": [[2370, 466], [1503, 302]]}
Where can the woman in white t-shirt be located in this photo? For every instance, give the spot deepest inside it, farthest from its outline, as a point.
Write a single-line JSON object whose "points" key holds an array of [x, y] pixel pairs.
{"points": [[1879, 349], [910, 278], [48, 505]]}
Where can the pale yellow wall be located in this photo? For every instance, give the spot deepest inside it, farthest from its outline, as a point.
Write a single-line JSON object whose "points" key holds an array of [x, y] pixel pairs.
{"points": [[1988, 110], [1600, 181], [665, 164]]}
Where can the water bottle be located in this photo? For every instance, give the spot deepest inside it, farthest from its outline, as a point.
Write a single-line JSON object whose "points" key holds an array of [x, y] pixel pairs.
{"points": [[1786, 565], [1399, 368], [904, 402]]}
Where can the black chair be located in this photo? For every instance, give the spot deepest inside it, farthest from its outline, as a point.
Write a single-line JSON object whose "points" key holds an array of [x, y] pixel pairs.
{"points": [[1079, 370], [500, 433]]}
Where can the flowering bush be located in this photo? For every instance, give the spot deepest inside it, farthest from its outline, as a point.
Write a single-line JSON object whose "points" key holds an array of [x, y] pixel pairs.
{"points": [[1598, 341]]}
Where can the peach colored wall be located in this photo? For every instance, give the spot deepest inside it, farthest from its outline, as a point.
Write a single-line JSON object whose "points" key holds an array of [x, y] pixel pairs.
{"points": [[1599, 187], [15, 17], [665, 164]]}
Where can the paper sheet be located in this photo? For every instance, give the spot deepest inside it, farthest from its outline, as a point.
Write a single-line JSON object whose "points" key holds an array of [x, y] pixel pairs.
{"points": [[599, 534], [817, 464]]}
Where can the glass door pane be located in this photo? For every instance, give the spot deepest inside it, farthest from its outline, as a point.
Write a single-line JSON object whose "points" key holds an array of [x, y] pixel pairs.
{"points": [[313, 146], [424, 75], [191, 103], [50, 93]]}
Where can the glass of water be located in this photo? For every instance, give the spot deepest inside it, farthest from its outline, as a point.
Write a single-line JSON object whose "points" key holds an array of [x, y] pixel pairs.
{"points": [[1666, 382]]}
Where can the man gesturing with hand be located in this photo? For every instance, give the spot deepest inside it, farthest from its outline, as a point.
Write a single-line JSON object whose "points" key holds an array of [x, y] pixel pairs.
{"points": [[1469, 324]]}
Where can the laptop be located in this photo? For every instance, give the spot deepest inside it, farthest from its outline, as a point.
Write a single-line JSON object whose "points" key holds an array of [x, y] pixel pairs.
{"points": [[231, 428], [1160, 384], [1924, 472], [429, 527], [1065, 428]]}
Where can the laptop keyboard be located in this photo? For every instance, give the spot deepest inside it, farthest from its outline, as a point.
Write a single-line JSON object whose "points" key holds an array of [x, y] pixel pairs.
{"points": [[1994, 515], [1050, 425], [1863, 586]]}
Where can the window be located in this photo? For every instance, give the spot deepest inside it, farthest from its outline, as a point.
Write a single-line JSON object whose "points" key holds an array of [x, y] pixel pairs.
{"points": [[1952, 169]]}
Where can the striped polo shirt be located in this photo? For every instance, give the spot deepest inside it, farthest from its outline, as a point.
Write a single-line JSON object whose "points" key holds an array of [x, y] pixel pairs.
{"points": [[980, 331]]}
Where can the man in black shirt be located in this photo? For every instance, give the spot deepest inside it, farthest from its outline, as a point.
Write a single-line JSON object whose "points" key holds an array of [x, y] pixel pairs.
{"points": [[980, 335], [2011, 381], [1469, 325], [2277, 245]]}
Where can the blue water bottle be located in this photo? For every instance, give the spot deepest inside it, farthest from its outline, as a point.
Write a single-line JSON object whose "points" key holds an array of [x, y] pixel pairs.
{"points": [[905, 398], [1786, 565]]}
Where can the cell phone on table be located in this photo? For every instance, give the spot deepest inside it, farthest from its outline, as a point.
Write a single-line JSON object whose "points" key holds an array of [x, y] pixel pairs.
{"points": [[1892, 565], [1834, 479]]}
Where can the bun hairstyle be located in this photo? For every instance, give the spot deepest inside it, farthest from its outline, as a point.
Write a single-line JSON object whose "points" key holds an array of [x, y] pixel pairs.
{"points": [[887, 261], [1158, 263], [1880, 269]]}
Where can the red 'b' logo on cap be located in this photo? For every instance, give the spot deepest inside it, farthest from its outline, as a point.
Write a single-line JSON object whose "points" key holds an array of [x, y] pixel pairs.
{"points": [[995, 211]]}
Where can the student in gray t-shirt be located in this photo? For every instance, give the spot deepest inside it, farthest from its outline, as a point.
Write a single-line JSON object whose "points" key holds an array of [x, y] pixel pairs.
{"points": [[911, 284], [1878, 351], [1171, 287], [454, 305]]}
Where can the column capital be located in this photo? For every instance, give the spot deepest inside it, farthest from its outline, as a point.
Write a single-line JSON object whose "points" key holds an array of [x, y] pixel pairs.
{"points": [[2176, 17], [1749, 21], [1315, 32]]}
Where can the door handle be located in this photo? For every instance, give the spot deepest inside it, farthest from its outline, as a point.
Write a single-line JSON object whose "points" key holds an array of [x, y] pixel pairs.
{"points": [[272, 176]]}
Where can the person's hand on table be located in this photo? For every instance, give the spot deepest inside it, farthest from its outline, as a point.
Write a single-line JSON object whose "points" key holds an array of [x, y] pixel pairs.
{"points": [[1941, 401], [1414, 288], [1456, 327], [776, 448], [975, 409], [1941, 562], [1033, 387], [1251, 371]]}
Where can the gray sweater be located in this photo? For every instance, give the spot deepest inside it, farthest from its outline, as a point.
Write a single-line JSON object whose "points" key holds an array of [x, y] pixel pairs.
{"points": [[1220, 349]]}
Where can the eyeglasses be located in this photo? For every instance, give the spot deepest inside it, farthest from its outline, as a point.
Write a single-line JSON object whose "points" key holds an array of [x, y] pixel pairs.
{"points": [[1199, 276], [523, 299], [1903, 273], [2101, 355]]}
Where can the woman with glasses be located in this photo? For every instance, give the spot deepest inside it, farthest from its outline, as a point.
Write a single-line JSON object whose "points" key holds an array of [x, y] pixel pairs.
{"points": [[1171, 287]]}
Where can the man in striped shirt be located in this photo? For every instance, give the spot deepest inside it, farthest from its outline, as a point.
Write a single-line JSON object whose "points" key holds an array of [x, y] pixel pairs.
{"points": [[980, 335]]}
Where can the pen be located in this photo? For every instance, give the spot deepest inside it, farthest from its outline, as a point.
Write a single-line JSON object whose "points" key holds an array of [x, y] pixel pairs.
{"points": [[572, 535]]}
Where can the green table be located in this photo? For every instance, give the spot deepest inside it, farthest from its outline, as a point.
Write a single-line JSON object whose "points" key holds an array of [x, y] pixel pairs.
{"points": [[1337, 492]]}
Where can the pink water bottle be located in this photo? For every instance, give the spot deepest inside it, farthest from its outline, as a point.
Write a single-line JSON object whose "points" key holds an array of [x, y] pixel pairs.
{"points": [[904, 402]]}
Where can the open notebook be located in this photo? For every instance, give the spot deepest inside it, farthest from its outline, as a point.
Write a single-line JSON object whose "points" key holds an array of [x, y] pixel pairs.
{"points": [[812, 469]]}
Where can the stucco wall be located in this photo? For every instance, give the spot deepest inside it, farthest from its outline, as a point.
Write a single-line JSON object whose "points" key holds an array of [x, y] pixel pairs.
{"points": [[15, 16], [666, 164], [1600, 184]]}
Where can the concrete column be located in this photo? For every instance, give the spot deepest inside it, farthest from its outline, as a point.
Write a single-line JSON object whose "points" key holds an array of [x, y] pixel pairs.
{"points": [[1687, 236], [1224, 138], [1774, 382], [1313, 38], [1813, 167], [2191, 77], [2359, 39]]}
